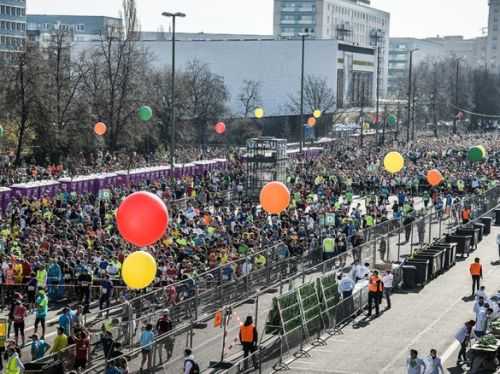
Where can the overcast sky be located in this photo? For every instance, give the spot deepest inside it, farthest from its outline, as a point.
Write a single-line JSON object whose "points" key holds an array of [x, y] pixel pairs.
{"points": [[418, 18]]}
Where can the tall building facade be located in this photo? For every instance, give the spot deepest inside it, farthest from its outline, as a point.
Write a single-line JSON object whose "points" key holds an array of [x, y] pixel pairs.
{"points": [[42, 27], [493, 40], [361, 30], [12, 28]]}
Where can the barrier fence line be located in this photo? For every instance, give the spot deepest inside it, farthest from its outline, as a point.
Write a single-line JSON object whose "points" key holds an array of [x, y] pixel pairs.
{"points": [[296, 269]]}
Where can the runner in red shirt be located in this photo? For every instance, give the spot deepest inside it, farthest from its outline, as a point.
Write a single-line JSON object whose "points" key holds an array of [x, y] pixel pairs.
{"points": [[20, 313], [82, 350]]}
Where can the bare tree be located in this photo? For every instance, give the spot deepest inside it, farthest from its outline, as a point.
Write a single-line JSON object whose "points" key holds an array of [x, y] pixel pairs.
{"points": [[206, 96], [317, 96], [114, 85], [249, 96], [20, 94]]}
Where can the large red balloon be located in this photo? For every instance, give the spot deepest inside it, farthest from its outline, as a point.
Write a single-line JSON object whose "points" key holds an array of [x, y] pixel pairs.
{"points": [[142, 218], [220, 128]]}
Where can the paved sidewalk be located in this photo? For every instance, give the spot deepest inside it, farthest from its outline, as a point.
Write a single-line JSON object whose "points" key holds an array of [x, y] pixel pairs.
{"points": [[422, 320]]}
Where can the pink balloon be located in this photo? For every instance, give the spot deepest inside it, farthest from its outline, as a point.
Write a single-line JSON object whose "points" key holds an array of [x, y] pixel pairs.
{"points": [[220, 128]]}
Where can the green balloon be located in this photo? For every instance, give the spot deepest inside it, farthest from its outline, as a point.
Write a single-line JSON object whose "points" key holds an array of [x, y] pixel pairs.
{"points": [[392, 120], [1, 132], [145, 113], [476, 154]]}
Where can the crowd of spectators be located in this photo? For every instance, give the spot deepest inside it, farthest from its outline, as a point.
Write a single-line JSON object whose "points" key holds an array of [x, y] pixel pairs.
{"points": [[61, 246]]}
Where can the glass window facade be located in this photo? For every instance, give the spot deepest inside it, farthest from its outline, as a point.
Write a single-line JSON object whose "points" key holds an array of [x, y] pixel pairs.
{"points": [[12, 27]]}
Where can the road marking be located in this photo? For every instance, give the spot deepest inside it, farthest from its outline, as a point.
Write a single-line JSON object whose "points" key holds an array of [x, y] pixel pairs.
{"points": [[449, 351], [418, 336]]}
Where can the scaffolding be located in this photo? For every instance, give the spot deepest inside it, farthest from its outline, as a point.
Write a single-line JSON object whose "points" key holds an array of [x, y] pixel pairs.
{"points": [[266, 161]]}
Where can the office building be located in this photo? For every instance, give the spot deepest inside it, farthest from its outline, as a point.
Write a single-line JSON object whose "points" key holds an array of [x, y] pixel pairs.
{"points": [[399, 60], [12, 28], [274, 64], [41, 28], [493, 41], [353, 23]]}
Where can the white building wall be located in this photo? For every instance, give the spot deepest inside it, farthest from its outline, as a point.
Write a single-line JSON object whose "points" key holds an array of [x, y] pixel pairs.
{"points": [[276, 64]]}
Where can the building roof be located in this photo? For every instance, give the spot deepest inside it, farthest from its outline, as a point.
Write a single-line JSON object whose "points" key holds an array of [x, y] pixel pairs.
{"points": [[163, 35]]}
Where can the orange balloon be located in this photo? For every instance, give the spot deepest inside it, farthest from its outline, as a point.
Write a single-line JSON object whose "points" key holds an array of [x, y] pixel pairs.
{"points": [[311, 121], [434, 177], [274, 197], [100, 128]]}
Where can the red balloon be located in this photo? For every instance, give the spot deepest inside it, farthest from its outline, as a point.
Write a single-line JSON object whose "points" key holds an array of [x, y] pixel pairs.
{"points": [[220, 128], [142, 218]]}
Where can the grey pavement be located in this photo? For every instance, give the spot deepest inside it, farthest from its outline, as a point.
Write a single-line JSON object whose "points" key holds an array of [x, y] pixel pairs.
{"points": [[419, 320]]}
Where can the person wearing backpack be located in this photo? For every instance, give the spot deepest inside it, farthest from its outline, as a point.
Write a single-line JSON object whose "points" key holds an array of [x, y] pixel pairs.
{"points": [[190, 365]]}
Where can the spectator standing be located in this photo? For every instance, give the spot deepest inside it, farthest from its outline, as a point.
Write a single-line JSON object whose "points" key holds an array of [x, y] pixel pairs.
{"points": [[65, 321], [82, 342], [463, 337], [388, 280], [434, 364], [415, 365], [14, 364], [476, 272], [346, 285], [146, 342], [106, 293], [42, 308], [20, 313], [190, 365], [38, 347], [164, 326], [60, 341]]}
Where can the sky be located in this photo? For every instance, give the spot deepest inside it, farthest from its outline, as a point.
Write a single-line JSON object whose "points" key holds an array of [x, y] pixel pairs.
{"points": [[412, 18]]}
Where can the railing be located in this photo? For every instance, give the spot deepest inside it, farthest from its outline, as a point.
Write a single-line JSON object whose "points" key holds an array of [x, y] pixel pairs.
{"points": [[248, 294]]}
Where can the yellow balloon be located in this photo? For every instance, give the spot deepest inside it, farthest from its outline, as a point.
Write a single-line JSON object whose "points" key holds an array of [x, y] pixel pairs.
{"points": [[366, 126], [394, 162], [259, 113], [139, 270], [317, 113]]}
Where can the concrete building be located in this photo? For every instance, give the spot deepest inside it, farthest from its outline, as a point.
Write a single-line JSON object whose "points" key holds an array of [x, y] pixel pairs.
{"points": [[42, 27], [351, 22], [12, 28], [275, 64], [399, 59], [471, 52], [493, 40]]}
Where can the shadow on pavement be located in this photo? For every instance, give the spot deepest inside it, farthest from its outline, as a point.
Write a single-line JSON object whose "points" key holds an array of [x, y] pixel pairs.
{"points": [[468, 299]]}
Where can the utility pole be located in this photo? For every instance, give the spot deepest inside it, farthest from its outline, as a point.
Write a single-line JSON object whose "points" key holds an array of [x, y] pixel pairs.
{"points": [[410, 73], [378, 91], [456, 96], [385, 124], [303, 36], [361, 114], [396, 134], [414, 94], [409, 98]]}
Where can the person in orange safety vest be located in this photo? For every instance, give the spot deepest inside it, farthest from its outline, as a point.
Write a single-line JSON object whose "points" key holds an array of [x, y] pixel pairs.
{"points": [[375, 290], [476, 272], [248, 339]]}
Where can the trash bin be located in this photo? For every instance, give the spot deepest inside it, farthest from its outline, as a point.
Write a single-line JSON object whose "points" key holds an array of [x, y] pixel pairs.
{"points": [[449, 254], [409, 277], [433, 264], [486, 221], [472, 232], [422, 266], [463, 243], [497, 217], [480, 226]]}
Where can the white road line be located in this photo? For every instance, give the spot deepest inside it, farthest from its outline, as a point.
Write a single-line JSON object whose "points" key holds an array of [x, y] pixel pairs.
{"points": [[405, 350], [449, 351]]}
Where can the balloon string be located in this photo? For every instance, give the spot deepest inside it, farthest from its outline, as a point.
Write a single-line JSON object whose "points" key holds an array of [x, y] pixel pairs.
{"points": [[476, 113]]}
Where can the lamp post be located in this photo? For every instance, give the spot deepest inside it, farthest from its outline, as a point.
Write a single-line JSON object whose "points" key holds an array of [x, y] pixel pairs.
{"points": [[172, 136], [457, 78], [303, 36], [410, 82]]}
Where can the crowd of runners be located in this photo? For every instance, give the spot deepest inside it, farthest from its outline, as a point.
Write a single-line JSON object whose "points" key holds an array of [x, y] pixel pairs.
{"points": [[62, 251]]}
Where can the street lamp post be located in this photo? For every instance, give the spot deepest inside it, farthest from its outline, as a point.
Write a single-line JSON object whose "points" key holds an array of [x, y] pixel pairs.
{"points": [[303, 36], [410, 82], [456, 95], [172, 135]]}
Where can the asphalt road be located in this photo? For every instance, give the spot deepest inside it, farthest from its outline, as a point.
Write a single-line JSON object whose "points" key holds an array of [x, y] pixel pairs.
{"points": [[419, 320]]}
